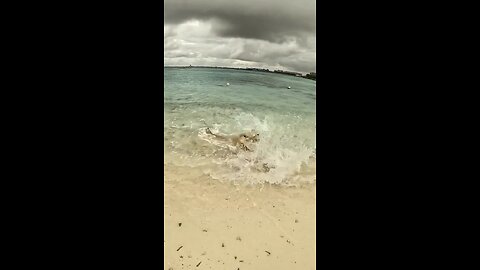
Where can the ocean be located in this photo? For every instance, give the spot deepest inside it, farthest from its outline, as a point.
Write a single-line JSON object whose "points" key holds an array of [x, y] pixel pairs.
{"points": [[253, 102]]}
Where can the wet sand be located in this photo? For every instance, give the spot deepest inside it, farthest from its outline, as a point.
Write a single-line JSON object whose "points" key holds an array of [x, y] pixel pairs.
{"points": [[214, 225]]}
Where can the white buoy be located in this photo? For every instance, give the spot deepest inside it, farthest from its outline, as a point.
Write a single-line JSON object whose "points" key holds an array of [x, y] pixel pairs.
{"points": [[289, 87], [228, 84]]}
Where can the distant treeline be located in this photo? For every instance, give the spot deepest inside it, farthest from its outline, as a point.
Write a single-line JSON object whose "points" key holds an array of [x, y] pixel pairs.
{"points": [[311, 75]]}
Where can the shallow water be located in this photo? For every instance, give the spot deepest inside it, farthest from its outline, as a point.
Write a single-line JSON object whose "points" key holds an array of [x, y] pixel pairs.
{"points": [[197, 98]]}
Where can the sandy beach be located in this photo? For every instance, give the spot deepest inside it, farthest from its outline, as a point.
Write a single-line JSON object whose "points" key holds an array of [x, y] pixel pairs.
{"points": [[213, 225]]}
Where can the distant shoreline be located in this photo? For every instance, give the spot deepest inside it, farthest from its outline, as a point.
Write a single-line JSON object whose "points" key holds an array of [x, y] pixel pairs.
{"points": [[311, 75]]}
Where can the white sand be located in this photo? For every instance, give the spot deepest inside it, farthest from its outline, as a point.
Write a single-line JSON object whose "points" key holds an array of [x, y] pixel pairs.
{"points": [[247, 221]]}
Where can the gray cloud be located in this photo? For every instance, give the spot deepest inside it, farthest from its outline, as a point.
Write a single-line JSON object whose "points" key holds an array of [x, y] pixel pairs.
{"points": [[267, 33]]}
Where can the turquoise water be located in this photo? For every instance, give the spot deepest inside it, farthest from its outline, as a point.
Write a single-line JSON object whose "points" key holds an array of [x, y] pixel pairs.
{"points": [[197, 98]]}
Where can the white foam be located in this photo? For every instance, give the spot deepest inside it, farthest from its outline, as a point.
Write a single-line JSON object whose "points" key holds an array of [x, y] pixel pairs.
{"points": [[280, 157]]}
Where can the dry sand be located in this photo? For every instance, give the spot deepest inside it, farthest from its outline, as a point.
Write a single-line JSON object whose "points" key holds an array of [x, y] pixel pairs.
{"points": [[214, 225]]}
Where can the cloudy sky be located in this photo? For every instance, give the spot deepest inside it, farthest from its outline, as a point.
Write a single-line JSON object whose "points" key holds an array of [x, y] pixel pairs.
{"points": [[274, 34]]}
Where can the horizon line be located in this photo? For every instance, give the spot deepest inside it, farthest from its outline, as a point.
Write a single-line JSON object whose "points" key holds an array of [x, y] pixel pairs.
{"points": [[265, 69]]}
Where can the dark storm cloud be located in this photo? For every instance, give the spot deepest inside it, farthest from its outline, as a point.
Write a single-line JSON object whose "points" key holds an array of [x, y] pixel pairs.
{"points": [[271, 20], [261, 33]]}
